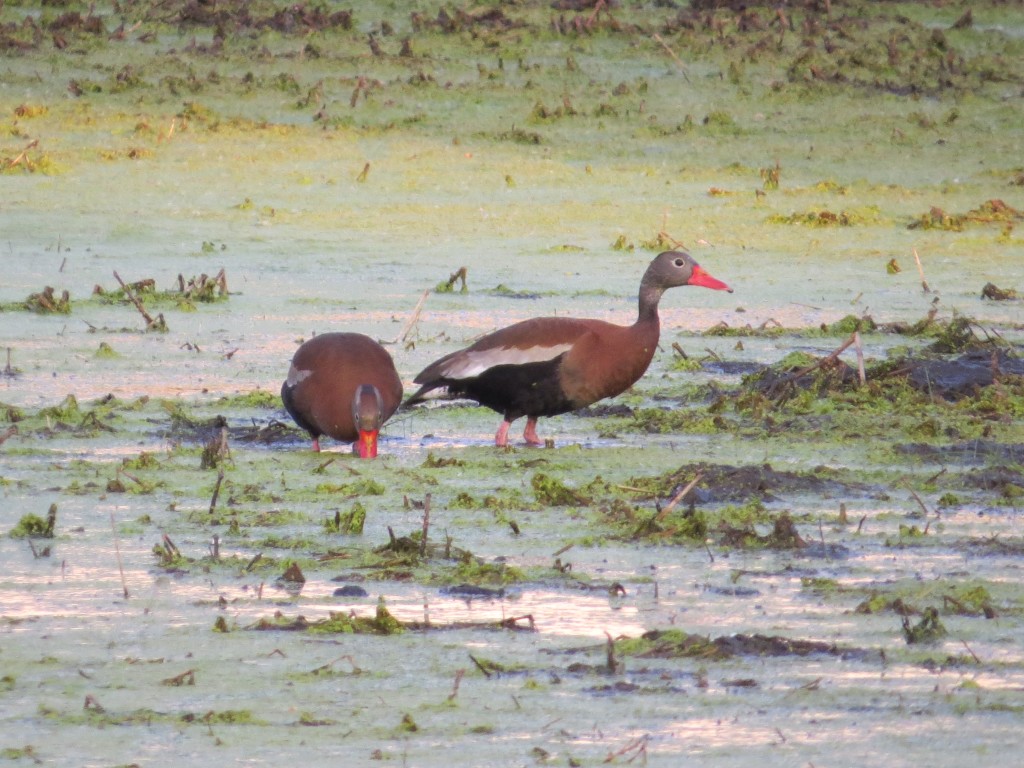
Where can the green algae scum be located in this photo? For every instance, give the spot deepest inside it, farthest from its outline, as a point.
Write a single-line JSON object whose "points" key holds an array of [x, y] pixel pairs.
{"points": [[795, 541]]}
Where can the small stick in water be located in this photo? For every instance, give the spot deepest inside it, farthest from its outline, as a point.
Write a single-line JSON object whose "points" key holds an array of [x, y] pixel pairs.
{"points": [[216, 490], [920, 271], [455, 687], [862, 377], [678, 497], [426, 525], [117, 551], [138, 304], [411, 323]]}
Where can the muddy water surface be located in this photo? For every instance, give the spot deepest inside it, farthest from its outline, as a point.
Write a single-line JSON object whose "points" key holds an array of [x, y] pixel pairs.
{"points": [[338, 214]]}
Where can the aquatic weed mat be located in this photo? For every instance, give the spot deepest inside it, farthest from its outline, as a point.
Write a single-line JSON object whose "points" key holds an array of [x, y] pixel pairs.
{"points": [[858, 559], [262, 579]]}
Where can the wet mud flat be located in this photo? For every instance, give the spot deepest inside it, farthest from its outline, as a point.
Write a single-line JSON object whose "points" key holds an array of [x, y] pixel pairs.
{"points": [[795, 541]]}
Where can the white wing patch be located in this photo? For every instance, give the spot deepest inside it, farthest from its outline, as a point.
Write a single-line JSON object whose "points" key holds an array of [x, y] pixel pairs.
{"points": [[295, 376], [470, 364]]}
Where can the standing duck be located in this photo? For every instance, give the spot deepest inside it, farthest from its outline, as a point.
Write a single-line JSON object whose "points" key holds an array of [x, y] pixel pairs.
{"points": [[551, 365], [345, 386]]}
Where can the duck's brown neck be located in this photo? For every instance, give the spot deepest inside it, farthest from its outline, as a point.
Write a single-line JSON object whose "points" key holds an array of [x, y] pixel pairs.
{"points": [[650, 295]]}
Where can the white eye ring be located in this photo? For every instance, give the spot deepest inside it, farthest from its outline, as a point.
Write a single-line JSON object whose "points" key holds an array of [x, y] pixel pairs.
{"points": [[678, 262]]}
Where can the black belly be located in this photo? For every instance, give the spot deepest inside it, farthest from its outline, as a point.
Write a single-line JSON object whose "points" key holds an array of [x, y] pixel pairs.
{"points": [[289, 405], [530, 389]]}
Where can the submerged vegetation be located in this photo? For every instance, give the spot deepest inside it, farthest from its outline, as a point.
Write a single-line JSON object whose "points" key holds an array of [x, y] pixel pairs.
{"points": [[839, 485]]}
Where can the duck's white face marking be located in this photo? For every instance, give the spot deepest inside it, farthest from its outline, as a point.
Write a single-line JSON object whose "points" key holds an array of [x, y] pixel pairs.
{"points": [[472, 364], [367, 408], [296, 375]]}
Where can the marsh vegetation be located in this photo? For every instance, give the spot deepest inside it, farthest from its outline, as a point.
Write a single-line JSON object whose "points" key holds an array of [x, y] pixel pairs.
{"points": [[799, 530]]}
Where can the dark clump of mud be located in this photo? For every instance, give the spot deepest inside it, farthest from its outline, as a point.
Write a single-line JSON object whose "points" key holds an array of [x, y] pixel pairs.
{"points": [[968, 452], [723, 483], [604, 410], [667, 644], [185, 428], [958, 363], [1007, 482], [732, 367], [822, 376], [963, 376], [993, 292]]}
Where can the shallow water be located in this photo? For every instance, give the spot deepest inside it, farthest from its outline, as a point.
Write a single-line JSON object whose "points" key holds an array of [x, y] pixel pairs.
{"points": [[306, 248]]}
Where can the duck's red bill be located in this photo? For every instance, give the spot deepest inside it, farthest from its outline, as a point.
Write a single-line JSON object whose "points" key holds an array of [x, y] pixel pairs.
{"points": [[699, 277], [366, 446]]}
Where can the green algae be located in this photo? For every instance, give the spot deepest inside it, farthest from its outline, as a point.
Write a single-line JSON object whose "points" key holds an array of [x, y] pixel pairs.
{"points": [[678, 644], [257, 398], [351, 523], [46, 302], [928, 630], [477, 573], [67, 411], [552, 492], [969, 598], [94, 714], [826, 218], [665, 421], [364, 486], [32, 526], [670, 643], [11, 414], [989, 212], [106, 352], [803, 430], [381, 623]]}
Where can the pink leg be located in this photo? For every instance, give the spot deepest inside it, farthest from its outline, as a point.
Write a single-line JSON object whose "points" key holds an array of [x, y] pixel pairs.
{"points": [[501, 438], [530, 433], [316, 444]]}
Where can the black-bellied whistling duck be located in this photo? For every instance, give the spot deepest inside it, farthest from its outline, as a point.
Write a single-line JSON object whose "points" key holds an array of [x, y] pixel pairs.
{"points": [[345, 386], [551, 365]]}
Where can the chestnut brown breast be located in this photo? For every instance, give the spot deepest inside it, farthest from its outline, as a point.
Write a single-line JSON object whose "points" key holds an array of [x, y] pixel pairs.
{"points": [[325, 373]]}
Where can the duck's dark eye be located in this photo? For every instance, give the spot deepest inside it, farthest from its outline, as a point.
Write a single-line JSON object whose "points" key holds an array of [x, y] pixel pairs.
{"points": [[678, 262]]}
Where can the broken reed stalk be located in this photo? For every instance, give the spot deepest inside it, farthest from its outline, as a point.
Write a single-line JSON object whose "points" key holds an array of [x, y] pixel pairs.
{"points": [[222, 281], [117, 551], [426, 525], [920, 502], [12, 430], [216, 490], [638, 745], [678, 497], [965, 645], [455, 686], [411, 322], [612, 665], [24, 153], [920, 271], [138, 304], [679, 62], [480, 666], [814, 366], [707, 548], [861, 375]]}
